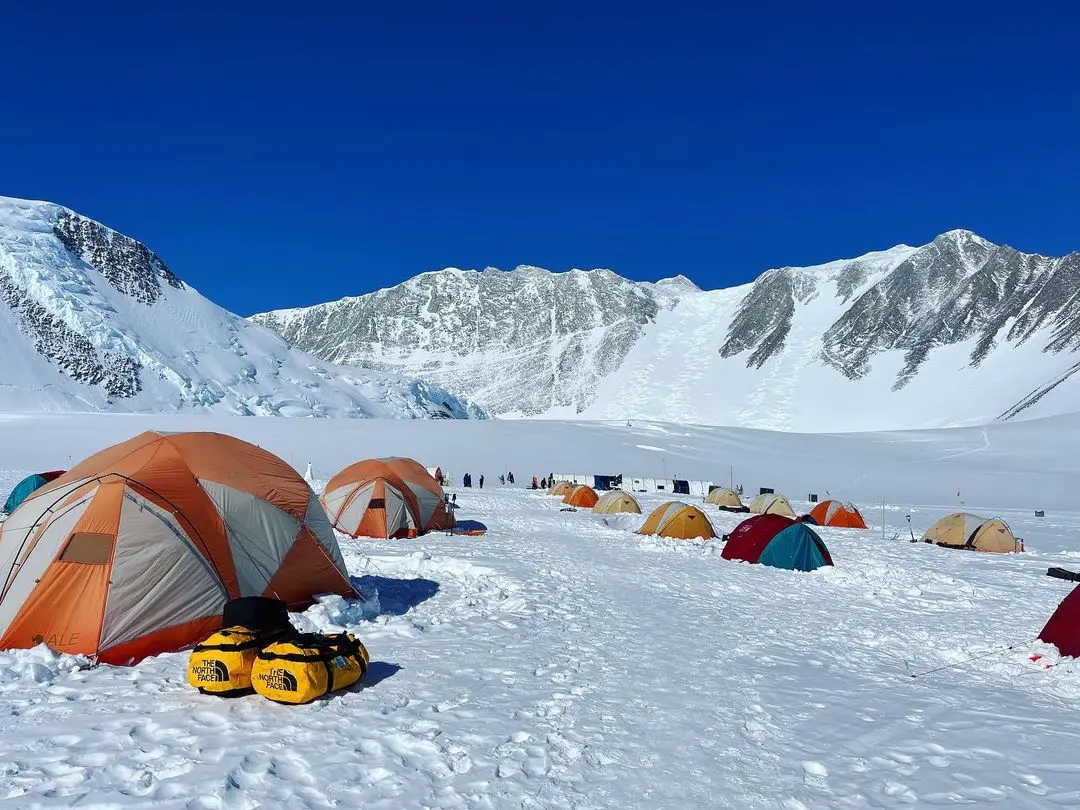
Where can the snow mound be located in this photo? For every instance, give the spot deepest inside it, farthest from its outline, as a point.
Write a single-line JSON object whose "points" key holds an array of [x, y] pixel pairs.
{"points": [[38, 664]]}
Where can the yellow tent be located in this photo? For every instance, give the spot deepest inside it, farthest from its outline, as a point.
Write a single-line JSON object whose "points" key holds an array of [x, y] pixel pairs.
{"points": [[616, 501], [769, 504], [561, 489], [725, 499], [678, 520], [965, 530]]}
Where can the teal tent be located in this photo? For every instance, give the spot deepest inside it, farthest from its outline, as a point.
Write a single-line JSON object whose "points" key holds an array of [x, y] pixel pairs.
{"points": [[25, 488], [797, 547]]}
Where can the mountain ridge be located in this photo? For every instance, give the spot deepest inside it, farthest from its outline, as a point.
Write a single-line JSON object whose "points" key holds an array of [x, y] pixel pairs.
{"points": [[883, 318]]}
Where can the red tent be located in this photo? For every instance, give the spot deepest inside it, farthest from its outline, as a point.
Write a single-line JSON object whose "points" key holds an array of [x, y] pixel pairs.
{"points": [[749, 538], [1063, 629]]}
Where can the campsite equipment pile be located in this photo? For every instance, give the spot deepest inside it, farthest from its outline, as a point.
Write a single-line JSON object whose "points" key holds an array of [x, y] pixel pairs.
{"points": [[260, 651]]}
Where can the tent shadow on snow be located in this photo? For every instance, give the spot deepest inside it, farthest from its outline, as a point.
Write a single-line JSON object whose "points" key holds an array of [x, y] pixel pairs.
{"points": [[396, 596]]}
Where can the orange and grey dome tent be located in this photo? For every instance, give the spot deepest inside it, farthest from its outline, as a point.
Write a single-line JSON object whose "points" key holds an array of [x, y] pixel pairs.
{"points": [[386, 497], [582, 496], [770, 504], [562, 488], [838, 513], [678, 520], [430, 498], [726, 499], [617, 501], [965, 530], [135, 551], [370, 499]]}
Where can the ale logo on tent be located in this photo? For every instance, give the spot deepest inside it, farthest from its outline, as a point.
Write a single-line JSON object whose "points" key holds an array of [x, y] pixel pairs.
{"points": [[55, 640], [280, 680], [211, 671]]}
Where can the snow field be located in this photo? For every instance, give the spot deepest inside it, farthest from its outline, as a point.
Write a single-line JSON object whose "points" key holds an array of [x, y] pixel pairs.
{"points": [[564, 661]]}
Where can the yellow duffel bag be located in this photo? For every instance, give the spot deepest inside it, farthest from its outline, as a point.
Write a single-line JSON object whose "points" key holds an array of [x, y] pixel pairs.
{"points": [[221, 665], [308, 666]]}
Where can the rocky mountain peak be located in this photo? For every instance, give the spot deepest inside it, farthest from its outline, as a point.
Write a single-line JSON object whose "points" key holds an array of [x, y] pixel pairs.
{"points": [[528, 341]]}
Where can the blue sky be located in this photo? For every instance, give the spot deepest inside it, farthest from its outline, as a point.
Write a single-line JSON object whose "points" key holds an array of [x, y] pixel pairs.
{"points": [[302, 152]]}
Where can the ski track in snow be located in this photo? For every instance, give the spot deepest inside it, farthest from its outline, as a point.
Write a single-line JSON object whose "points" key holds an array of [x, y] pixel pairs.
{"points": [[566, 662]]}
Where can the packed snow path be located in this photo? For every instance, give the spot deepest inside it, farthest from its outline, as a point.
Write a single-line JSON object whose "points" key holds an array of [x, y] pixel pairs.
{"points": [[565, 662]]}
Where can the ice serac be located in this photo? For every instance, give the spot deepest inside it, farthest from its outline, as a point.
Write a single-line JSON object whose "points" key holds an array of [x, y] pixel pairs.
{"points": [[91, 319], [959, 331], [525, 342]]}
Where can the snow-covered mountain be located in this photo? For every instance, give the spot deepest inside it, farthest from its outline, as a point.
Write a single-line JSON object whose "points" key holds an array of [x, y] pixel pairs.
{"points": [[523, 342], [93, 320], [957, 332]]}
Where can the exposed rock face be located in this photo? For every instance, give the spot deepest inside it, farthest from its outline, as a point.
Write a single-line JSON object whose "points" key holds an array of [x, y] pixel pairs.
{"points": [[532, 342], [764, 317], [72, 353], [130, 266], [526, 341], [957, 288]]}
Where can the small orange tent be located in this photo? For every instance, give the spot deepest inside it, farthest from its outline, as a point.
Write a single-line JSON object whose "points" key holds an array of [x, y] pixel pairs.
{"points": [[385, 497], [678, 520], [839, 514], [582, 496], [135, 551]]}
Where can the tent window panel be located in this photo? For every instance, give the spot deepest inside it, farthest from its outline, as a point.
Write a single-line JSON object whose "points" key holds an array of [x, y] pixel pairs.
{"points": [[377, 503], [88, 547]]}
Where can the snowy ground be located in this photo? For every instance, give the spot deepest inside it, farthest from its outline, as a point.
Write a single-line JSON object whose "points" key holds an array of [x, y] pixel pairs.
{"points": [[564, 661]]}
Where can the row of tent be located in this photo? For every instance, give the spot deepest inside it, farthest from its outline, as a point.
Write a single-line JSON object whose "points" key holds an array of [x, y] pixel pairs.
{"points": [[959, 530], [136, 549], [827, 513], [583, 496], [766, 539]]}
